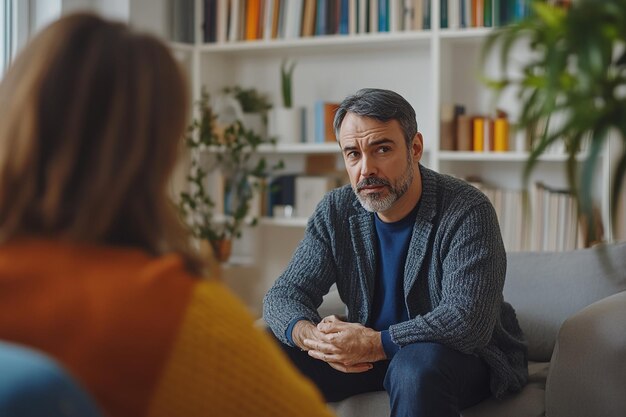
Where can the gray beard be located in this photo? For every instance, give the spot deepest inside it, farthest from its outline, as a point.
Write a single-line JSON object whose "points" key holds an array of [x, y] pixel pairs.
{"points": [[378, 202]]}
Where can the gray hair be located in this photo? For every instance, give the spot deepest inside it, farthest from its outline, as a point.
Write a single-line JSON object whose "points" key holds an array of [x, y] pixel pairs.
{"points": [[382, 105]]}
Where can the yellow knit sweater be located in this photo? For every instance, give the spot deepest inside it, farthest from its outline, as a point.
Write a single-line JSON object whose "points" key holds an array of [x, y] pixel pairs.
{"points": [[144, 336]]}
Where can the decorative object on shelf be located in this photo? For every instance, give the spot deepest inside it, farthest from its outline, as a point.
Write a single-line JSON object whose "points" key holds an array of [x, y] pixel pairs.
{"points": [[286, 83], [571, 84], [234, 158], [288, 120], [254, 108]]}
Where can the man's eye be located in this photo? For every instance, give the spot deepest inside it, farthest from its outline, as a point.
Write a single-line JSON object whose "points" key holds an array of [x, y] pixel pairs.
{"points": [[384, 149], [352, 154]]}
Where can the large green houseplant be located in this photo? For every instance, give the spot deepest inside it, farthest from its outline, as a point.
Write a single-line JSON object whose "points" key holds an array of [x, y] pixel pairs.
{"points": [[233, 151], [577, 70]]}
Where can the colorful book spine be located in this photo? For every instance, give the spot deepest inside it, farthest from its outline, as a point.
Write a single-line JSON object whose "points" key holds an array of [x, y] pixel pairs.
{"points": [[362, 7], [293, 23], [464, 133], [501, 135], [488, 13], [320, 21], [276, 18], [352, 16], [324, 114], [268, 15], [333, 10], [426, 15], [344, 16], [446, 128], [373, 16], [443, 13], [308, 19], [210, 21], [497, 13], [383, 15], [478, 133], [253, 11]]}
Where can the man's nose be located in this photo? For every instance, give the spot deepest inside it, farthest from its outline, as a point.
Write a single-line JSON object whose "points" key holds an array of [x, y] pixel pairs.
{"points": [[368, 167]]}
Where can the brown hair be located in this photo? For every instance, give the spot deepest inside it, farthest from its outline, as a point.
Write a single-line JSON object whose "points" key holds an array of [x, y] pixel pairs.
{"points": [[91, 119]]}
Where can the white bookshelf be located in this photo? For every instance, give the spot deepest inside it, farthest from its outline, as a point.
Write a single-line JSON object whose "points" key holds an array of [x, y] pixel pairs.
{"points": [[429, 68]]}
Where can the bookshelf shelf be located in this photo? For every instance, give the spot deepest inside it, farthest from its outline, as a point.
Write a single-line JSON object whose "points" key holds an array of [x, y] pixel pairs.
{"points": [[500, 156], [300, 148], [284, 222], [290, 148], [323, 43], [465, 34]]}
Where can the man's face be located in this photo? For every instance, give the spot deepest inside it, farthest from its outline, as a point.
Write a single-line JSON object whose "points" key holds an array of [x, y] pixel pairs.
{"points": [[380, 167]]}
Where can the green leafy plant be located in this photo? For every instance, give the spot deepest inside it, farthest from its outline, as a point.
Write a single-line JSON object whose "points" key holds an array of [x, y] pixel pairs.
{"points": [[234, 153], [576, 70], [251, 100], [286, 82]]}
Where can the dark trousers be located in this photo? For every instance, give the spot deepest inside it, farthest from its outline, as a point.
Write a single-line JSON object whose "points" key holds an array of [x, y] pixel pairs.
{"points": [[422, 379]]}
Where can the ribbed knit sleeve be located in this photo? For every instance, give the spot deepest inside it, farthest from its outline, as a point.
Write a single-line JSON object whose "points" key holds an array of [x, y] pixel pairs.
{"points": [[220, 365], [298, 292]]}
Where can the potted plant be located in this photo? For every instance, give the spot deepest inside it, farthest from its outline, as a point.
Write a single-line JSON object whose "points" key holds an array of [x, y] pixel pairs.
{"points": [[232, 152], [288, 119], [576, 70], [286, 83], [254, 107]]}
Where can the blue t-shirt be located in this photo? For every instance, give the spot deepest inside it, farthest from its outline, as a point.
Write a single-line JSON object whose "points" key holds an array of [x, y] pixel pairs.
{"points": [[388, 305]]}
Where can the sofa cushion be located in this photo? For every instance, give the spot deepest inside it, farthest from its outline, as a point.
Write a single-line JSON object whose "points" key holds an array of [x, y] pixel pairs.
{"points": [[528, 403], [545, 288]]}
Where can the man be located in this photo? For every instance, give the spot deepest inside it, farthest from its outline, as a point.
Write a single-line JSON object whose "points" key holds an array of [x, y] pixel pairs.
{"points": [[418, 259]]}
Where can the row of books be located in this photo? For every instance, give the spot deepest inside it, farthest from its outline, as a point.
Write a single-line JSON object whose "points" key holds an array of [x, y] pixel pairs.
{"points": [[324, 118], [455, 14], [551, 222], [557, 226], [478, 133], [238, 20], [494, 133]]}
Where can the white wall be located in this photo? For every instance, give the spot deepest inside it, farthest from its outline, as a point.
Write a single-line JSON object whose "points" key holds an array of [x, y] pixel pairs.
{"points": [[151, 16], [44, 12], [69, 6], [113, 9]]}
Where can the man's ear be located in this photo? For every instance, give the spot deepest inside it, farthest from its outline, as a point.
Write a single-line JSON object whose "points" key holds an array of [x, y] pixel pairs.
{"points": [[417, 147]]}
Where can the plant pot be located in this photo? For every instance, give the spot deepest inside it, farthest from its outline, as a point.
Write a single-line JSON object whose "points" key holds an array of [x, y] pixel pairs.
{"points": [[222, 249], [288, 124]]}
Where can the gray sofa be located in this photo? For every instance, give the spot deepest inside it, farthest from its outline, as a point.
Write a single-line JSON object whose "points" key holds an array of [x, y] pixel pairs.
{"points": [[572, 308]]}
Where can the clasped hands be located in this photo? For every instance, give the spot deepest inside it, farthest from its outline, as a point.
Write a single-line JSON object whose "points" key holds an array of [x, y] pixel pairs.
{"points": [[347, 347]]}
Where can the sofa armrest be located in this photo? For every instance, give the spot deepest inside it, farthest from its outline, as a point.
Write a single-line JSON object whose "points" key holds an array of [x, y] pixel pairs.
{"points": [[588, 368]]}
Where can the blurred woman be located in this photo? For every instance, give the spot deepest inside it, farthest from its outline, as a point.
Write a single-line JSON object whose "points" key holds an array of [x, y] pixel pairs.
{"points": [[94, 264]]}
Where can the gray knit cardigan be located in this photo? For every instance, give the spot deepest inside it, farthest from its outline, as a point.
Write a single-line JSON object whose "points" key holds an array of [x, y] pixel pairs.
{"points": [[453, 277]]}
